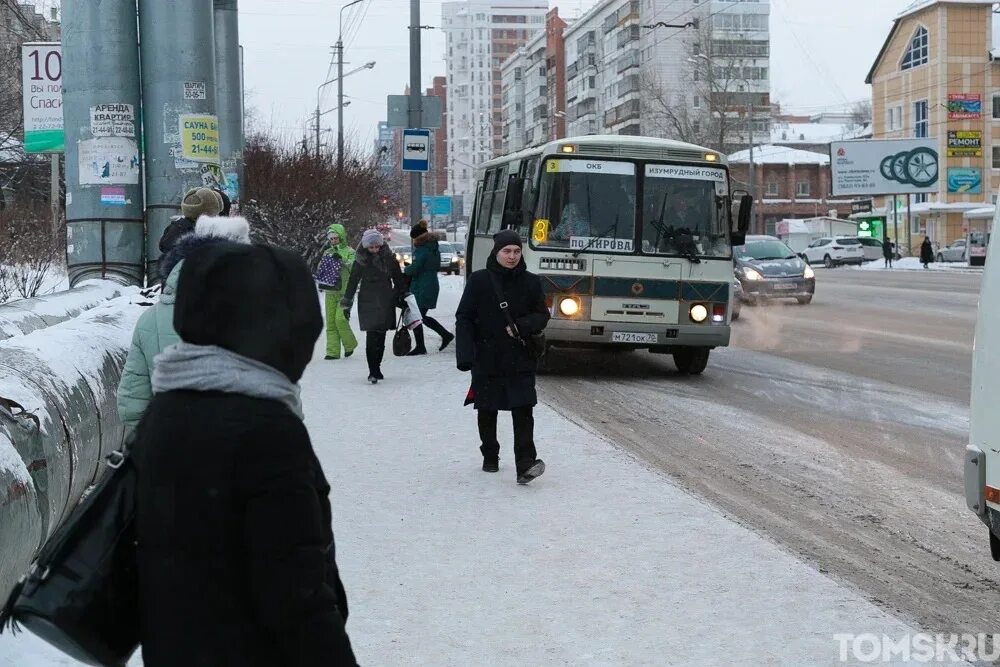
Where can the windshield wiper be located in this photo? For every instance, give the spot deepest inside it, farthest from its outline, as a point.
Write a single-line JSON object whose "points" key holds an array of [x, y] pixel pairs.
{"points": [[600, 236]]}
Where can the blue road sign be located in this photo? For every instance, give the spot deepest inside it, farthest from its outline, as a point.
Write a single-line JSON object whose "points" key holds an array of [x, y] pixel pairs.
{"points": [[436, 206], [416, 150]]}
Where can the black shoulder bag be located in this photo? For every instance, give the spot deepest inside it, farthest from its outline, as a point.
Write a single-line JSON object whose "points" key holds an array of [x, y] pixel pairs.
{"points": [[81, 594], [535, 343]]}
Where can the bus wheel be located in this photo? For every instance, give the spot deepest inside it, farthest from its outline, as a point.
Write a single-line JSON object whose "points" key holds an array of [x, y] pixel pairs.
{"points": [[994, 546], [691, 360]]}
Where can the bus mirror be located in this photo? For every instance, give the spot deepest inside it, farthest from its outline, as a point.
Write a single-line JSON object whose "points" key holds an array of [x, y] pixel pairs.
{"points": [[742, 210]]}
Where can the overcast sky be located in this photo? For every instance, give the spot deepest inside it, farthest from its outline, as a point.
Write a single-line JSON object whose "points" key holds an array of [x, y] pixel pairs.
{"points": [[821, 53]]}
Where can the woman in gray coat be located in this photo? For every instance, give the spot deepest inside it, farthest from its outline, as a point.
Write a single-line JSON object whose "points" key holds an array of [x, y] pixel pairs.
{"points": [[378, 282]]}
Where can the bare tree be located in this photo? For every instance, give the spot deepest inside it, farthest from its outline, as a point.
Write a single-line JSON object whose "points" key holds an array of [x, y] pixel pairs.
{"points": [[29, 256], [709, 105], [861, 113]]}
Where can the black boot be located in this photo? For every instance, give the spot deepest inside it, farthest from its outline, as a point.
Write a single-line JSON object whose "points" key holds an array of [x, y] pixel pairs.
{"points": [[446, 340], [529, 470], [418, 340], [491, 458]]}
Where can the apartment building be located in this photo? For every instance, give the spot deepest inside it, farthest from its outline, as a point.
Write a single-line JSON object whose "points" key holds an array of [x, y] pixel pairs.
{"points": [[533, 89], [480, 36], [937, 76]]}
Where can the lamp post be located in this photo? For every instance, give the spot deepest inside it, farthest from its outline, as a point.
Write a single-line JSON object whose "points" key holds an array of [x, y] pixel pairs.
{"points": [[340, 87], [341, 103]]}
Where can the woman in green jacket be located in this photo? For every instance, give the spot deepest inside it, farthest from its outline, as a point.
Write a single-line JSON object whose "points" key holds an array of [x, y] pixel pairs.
{"points": [[423, 274], [332, 275]]}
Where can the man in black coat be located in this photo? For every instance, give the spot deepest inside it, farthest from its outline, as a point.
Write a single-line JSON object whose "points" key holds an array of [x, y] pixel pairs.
{"points": [[503, 367], [235, 548], [377, 275], [888, 250]]}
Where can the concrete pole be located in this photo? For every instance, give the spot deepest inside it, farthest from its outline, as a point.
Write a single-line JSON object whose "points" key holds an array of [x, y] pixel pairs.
{"points": [[54, 193], [178, 89], [340, 105], [753, 183], [229, 94], [416, 112], [101, 109]]}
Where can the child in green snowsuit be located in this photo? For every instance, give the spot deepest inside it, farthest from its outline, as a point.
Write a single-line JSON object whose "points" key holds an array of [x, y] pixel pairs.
{"points": [[338, 326]]}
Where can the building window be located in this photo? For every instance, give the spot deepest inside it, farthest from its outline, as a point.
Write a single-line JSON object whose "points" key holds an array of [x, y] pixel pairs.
{"points": [[996, 106], [772, 189], [920, 123], [996, 157], [696, 102], [917, 52], [893, 119], [802, 189]]}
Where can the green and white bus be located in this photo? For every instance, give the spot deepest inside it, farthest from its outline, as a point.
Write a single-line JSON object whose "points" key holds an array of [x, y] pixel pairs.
{"points": [[632, 237]]}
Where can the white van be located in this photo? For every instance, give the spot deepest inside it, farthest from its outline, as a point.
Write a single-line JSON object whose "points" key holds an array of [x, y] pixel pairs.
{"points": [[982, 455]]}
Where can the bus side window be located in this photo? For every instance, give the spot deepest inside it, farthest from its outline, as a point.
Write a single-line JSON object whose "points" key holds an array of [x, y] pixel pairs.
{"points": [[483, 215], [530, 196], [496, 212]]}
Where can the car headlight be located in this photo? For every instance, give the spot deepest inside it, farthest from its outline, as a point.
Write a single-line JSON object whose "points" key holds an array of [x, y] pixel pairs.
{"points": [[808, 273], [699, 313], [454, 260], [752, 274], [569, 307]]}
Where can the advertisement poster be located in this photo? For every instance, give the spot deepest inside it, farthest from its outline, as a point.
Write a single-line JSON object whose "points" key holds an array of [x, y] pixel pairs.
{"points": [[112, 120], [41, 80], [965, 180], [109, 161], [965, 143], [965, 106], [884, 167], [199, 137]]}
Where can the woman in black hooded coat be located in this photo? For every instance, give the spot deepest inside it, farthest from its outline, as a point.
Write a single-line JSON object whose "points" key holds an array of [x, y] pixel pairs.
{"points": [[503, 368], [235, 551]]}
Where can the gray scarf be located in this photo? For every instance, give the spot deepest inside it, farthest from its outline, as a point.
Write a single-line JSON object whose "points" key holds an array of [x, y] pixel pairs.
{"points": [[209, 368]]}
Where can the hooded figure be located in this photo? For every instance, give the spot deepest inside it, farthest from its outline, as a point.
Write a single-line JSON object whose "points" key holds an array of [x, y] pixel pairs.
{"points": [[332, 275], [926, 252], [236, 560], [195, 203], [423, 274], [154, 331], [503, 369], [378, 281]]}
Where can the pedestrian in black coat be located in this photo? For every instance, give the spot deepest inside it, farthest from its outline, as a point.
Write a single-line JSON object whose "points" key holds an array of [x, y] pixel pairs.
{"points": [[377, 275], [926, 252], [888, 250], [503, 368], [195, 203], [236, 556]]}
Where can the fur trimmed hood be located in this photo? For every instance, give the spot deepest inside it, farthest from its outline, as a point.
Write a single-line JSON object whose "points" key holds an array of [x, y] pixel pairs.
{"points": [[427, 237], [207, 230]]}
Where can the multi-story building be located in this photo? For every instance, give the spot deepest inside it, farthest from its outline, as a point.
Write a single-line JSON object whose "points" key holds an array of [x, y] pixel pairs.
{"points": [[480, 36], [436, 180], [534, 88], [937, 76]]}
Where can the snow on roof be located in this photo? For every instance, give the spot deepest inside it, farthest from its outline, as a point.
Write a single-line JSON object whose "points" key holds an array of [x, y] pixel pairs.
{"points": [[984, 213], [779, 155], [921, 5], [815, 133]]}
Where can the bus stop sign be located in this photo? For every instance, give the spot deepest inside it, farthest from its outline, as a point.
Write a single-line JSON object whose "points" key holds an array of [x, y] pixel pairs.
{"points": [[416, 150]]}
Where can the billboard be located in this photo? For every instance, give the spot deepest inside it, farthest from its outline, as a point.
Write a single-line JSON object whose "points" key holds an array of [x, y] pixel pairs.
{"points": [[965, 180], [965, 143], [965, 106], [41, 78], [884, 167]]}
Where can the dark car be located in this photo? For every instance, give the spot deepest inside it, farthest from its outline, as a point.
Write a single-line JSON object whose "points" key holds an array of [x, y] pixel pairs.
{"points": [[769, 269]]}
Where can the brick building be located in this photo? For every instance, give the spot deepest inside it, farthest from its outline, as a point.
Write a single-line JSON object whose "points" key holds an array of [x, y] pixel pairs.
{"points": [[790, 183], [436, 180]]}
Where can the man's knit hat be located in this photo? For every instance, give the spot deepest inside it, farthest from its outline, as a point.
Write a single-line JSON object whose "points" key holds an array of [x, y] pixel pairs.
{"points": [[504, 238], [201, 201]]}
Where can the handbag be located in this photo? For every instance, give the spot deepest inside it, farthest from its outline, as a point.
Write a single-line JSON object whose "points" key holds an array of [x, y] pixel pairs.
{"points": [[81, 593], [401, 342], [328, 272], [534, 343]]}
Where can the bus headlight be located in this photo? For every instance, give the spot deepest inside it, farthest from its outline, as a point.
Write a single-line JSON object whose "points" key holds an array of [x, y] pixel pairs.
{"points": [[699, 313], [569, 307]]}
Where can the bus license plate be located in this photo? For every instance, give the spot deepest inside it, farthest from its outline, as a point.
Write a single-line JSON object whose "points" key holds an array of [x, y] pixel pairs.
{"points": [[630, 337]]}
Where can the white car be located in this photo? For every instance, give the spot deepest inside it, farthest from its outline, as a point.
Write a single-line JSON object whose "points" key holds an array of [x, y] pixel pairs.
{"points": [[831, 251], [953, 253]]}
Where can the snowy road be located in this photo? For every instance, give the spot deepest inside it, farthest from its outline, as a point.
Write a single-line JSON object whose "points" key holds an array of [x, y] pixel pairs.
{"points": [[836, 430]]}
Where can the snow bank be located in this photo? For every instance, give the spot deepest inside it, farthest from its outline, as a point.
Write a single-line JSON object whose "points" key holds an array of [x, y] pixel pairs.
{"points": [[27, 315], [913, 264]]}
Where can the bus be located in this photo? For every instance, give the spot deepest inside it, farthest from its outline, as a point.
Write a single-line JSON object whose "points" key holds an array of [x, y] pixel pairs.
{"points": [[632, 236]]}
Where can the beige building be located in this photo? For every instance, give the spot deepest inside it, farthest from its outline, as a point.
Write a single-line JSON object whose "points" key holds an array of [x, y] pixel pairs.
{"points": [[936, 77]]}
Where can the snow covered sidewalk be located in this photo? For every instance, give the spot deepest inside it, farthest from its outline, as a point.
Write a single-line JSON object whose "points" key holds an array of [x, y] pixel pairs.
{"points": [[601, 561]]}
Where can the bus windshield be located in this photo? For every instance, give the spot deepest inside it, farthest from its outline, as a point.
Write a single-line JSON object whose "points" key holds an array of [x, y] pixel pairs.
{"points": [[586, 205], [684, 211]]}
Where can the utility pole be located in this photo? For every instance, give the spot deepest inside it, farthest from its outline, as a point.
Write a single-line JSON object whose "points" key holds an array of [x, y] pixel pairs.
{"points": [[340, 103], [415, 111], [229, 95], [753, 183], [101, 105]]}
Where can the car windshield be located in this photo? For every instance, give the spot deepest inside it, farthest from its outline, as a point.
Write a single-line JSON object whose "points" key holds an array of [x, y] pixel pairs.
{"points": [[586, 205], [445, 247], [770, 249], [849, 241], [684, 211]]}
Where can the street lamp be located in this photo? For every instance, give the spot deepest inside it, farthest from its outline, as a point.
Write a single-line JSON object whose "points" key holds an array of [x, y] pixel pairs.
{"points": [[750, 128], [340, 102], [340, 87]]}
